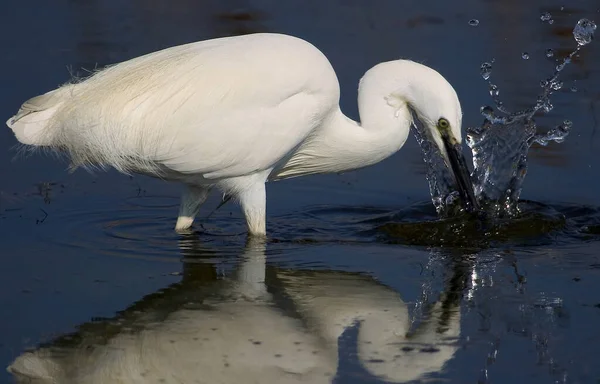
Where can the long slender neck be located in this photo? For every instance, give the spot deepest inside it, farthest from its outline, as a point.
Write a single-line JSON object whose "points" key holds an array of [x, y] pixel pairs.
{"points": [[383, 130], [387, 94]]}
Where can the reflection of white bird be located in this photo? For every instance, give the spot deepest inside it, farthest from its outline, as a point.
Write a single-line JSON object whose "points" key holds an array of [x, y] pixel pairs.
{"points": [[330, 303], [235, 331], [236, 112]]}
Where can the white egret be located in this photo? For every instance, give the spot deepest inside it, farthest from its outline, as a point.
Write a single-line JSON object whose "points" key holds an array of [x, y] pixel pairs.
{"points": [[236, 112]]}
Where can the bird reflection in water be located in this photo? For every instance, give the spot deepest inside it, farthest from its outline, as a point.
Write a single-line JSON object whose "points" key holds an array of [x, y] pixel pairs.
{"points": [[263, 324]]}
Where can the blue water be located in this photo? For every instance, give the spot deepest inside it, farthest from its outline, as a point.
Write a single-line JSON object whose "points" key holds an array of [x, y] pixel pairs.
{"points": [[77, 247]]}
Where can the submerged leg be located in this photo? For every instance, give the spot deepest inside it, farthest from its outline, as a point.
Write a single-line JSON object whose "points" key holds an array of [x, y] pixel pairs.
{"points": [[191, 200]]}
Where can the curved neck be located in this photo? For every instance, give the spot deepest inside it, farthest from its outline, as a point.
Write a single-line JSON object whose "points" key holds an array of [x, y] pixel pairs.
{"points": [[384, 126], [387, 94]]}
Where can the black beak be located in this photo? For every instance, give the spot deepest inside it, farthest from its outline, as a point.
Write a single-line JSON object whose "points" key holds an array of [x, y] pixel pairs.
{"points": [[461, 172]]}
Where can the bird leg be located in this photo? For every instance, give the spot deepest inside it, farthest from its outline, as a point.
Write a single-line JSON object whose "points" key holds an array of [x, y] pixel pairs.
{"points": [[253, 201], [192, 198]]}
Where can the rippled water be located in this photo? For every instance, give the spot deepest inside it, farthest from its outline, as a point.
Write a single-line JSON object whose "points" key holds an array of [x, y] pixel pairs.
{"points": [[330, 296], [360, 280]]}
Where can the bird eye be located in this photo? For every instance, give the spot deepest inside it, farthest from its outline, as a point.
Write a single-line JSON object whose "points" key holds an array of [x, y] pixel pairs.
{"points": [[443, 123]]}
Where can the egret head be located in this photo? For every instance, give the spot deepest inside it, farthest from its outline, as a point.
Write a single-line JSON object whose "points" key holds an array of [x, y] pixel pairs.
{"points": [[449, 140], [435, 104]]}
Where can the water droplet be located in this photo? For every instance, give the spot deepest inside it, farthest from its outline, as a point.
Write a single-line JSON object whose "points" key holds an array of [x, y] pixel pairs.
{"points": [[557, 134], [541, 140], [584, 31], [573, 89], [543, 102], [486, 70], [547, 17], [494, 91], [549, 52], [556, 85], [490, 115], [452, 198], [486, 111], [471, 139], [525, 56], [473, 22]]}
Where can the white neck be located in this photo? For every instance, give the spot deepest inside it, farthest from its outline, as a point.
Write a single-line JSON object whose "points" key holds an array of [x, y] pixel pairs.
{"points": [[383, 130], [386, 96]]}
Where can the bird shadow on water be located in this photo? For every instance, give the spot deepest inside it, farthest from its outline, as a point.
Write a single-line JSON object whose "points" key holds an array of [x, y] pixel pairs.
{"points": [[260, 322]]}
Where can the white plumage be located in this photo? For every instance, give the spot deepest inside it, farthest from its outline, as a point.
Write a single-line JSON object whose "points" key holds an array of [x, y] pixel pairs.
{"points": [[234, 113]]}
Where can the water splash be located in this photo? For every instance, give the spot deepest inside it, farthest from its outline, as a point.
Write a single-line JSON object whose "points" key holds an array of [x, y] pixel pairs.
{"points": [[445, 199], [500, 145]]}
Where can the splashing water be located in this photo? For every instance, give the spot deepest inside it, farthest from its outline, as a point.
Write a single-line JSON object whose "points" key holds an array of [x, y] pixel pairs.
{"points": [[441, 182], [500, 145]]}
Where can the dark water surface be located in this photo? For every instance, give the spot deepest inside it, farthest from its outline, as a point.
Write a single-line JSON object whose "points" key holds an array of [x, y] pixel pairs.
{"points": [[94, 279]]}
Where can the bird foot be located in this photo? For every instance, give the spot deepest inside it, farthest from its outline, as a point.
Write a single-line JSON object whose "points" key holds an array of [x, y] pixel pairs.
{"points": [[184, 224]]}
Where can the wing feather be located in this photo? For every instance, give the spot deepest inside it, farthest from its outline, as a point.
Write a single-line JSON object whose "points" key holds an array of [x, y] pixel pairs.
{"points": [[219, 108]]}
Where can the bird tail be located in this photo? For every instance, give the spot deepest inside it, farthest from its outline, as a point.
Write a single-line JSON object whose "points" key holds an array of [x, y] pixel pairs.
{"points": [[30, 367], [33, 118]]}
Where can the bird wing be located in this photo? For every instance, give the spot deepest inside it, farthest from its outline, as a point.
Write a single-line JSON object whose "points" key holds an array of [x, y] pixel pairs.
{"points": [[220, 108]]}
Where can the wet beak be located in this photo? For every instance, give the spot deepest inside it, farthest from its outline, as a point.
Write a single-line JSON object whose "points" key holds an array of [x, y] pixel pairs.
{"points": [[460, 170]]}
